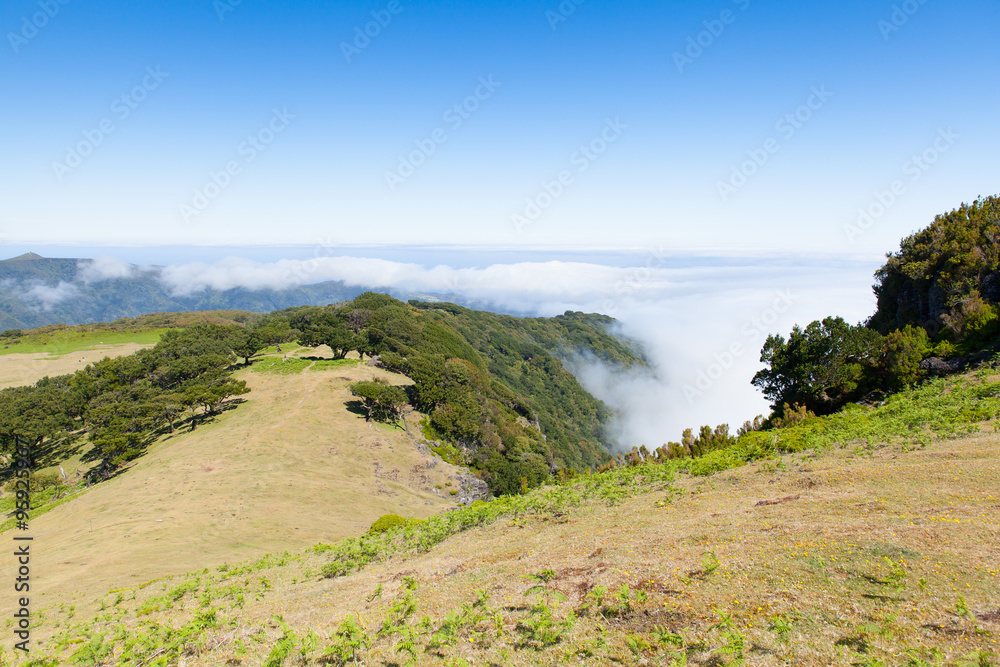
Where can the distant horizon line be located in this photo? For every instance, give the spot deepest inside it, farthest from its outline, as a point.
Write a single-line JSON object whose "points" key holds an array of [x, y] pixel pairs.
{"points": [[656, 250]]}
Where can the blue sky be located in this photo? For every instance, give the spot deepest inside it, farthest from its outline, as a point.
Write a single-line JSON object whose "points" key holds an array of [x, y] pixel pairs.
{"points": [[330, 129]]}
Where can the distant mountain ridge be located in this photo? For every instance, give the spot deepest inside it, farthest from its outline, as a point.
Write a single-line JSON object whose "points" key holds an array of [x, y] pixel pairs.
{"points": [[36, 291]]}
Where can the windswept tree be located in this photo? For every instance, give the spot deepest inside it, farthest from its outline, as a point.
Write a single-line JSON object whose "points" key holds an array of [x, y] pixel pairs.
{"points": [[34, 414], [325, 326], [209, 392], [382, 401], [247, 341]]}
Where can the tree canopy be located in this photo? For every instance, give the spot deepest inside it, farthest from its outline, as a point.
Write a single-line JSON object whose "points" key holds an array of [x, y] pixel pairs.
{"points": [[937, 296]]}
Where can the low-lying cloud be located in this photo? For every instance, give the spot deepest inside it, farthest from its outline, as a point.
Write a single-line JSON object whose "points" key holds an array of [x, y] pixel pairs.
{"points": [[535, 280], [49, 296], [104, 268]]}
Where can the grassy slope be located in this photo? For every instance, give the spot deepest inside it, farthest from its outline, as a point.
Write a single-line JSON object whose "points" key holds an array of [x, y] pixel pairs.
{"points": [[289, 468], [70, 340], [866, 553], [58, 339]]}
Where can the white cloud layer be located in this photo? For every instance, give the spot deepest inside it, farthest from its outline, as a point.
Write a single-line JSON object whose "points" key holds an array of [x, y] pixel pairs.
{"points": [[49, 296], [104, 268]]}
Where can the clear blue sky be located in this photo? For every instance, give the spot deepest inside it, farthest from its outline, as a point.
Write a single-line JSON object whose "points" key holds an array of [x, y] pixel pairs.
{"points": [[323, 177]]}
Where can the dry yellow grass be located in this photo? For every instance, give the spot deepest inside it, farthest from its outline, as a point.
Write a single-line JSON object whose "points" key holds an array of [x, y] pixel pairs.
{"points": [[288, 469], [811, 543]]}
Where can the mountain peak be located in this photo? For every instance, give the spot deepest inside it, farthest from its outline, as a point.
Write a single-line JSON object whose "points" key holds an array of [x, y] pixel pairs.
{"points": [[27, 255]]}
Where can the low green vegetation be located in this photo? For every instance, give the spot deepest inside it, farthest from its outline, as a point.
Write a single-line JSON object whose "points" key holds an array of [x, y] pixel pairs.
{"points": [[64, 341], [942, 408], [389, 521]]}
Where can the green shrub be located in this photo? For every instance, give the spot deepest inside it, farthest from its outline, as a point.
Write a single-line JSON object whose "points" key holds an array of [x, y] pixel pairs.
{"points": [[338, 568], [944, 350], [37, 482], [387, 522]]}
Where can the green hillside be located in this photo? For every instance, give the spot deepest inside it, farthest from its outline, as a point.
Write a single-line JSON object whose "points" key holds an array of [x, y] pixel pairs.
{"points": [[496, 397]]}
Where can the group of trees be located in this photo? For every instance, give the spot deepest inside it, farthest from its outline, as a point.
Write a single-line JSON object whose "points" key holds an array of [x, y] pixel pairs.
{"points": [[831, 363], [937, 297], [929, 282], [691, 446], [121, 404]]}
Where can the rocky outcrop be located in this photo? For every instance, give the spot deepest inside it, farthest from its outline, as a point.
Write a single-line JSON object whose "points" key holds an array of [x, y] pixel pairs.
{"points": [[939, 367], [471, 489]]}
